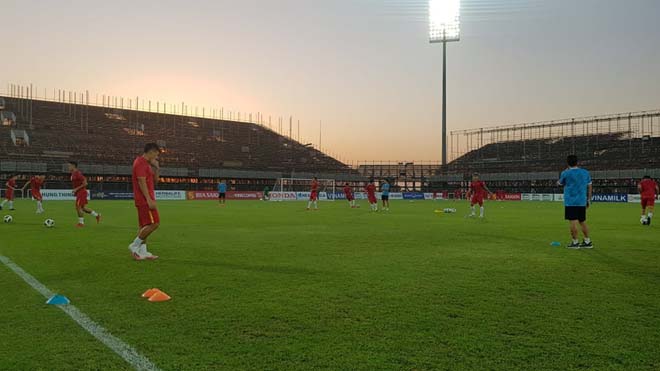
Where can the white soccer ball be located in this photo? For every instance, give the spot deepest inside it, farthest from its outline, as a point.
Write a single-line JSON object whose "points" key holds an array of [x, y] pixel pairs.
{"points": [[49, 223], [7, 219]]}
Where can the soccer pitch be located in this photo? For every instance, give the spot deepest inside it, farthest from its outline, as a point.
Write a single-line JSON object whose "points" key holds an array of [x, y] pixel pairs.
{"points": [[258, 285]]}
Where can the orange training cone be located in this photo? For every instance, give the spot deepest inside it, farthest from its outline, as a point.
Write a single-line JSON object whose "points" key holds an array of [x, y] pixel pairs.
{"points": [[159, 296], [149, 293]]}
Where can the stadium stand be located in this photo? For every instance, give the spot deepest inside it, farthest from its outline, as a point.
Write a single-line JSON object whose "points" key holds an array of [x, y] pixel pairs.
{"points": [[114, 136], [618, 150], [196, 151], [599, 152]]}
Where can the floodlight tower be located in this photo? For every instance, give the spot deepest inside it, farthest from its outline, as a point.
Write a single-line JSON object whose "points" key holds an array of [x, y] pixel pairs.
{"points": [[444, 27]]}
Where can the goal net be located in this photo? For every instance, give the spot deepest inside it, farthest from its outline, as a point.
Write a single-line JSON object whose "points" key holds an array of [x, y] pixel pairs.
{"points": [[327, 187]]}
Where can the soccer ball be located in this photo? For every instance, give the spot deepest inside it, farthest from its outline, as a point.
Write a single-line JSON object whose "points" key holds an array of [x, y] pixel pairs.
{"points": [[7, 219], [49, 223], [644, 220]]}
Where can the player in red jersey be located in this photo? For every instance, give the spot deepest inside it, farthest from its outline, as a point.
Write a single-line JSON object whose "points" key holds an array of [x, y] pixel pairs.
{"points": [[478, 191], [314, 195], [35, 183], [146, 171], [9, 193], [348, 192], [648, 190], [80, 191], [371, 195]]}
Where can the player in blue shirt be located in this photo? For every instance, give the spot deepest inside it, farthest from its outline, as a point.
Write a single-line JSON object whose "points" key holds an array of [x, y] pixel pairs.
{"points": [[577, 196], [385, 195], [222, 192]]}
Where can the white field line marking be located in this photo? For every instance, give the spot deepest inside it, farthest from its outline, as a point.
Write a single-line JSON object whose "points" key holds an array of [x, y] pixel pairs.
{"points": [[125, 351]]}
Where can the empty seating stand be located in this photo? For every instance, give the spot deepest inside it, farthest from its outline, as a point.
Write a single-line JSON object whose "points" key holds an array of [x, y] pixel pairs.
{"points": [[100, 135]]}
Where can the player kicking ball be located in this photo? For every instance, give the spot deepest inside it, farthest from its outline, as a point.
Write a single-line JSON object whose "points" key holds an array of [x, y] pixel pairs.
{"points": [[80, 191], [9, 193], [314, 195], [35, 183], [348, 192], [146, 172], [577, 194], [371, 195], [478, 192], [648, 190]]}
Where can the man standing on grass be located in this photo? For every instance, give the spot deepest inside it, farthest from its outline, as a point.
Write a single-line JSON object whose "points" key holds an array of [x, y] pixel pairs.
{"points": [[146, 171], [222, 192], [80, 191], [648, 190], [577, 196], [314, 195], [9, 193], [385, 195], [371, 195]]}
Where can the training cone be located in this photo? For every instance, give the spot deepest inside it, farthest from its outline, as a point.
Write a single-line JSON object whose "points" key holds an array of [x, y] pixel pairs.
{"points": [[159, 296], [58, 300], [149, 293]]}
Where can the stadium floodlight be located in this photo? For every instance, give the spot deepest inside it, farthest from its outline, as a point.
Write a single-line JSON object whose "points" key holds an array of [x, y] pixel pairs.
{"points": [[444, 26], [444, 20]]}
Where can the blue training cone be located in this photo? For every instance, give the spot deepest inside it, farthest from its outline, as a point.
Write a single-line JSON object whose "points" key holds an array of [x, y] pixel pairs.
{"points": [[58, 300]]}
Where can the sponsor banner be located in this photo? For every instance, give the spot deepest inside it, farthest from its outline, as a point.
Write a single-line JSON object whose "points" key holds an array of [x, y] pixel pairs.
{"points": [[283, 196], [545, 197], [559, 197], [611, 197], [303, 196], [160, 195], [432, 196], [112, 195], [635, 198], [396, 196], [512, 197], [340, 196], [337, 196], [413, 196], [170, 195], [324, 196], [230, 195], [202, 195], [59, 195], [244, 195]]}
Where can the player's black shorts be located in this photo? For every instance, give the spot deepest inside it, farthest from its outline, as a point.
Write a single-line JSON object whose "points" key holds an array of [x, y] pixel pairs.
{"points": [[385, 197], [222, 196], [578, 213]]}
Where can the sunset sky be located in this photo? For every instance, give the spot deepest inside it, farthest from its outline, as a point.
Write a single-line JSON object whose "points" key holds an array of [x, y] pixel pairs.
{"points": [[363, 67]]}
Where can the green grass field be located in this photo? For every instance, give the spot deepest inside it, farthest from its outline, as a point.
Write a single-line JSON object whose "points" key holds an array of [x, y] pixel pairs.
{"points": [[268, 286]]}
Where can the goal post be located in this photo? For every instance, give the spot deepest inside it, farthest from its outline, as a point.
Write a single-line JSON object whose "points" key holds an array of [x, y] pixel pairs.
{"points": [[298, 185]]}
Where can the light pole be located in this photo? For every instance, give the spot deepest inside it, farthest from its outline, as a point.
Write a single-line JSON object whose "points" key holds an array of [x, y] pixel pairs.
{"points": [[444, 27]]}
